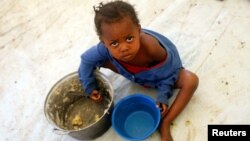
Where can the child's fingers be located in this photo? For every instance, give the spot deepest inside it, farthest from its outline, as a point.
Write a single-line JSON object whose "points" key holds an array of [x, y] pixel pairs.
{"points": [[163, 109], [95, 95]]}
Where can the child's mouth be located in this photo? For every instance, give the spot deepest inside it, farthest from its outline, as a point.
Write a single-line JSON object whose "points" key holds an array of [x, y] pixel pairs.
{"points": [[126, 57]]}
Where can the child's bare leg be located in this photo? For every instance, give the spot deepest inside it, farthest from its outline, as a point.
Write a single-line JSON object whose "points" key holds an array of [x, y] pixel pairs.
{"points": [[187, 83], [165, 132]]}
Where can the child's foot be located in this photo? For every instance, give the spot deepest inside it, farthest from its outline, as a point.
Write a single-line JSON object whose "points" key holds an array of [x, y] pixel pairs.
{"points": [[165, 132]]}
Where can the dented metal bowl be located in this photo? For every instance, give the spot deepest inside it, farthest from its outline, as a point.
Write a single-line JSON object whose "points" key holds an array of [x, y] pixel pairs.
{"points": [[70, 112]]}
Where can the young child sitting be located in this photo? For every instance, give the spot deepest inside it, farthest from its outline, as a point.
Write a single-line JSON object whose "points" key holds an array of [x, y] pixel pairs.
{"points": [[140, 55]]}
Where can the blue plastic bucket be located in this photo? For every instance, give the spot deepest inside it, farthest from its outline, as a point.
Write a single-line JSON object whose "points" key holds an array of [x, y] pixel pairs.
{"points": [[135, 117]]}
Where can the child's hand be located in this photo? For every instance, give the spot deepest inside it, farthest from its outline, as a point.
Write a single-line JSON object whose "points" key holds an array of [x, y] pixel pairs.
{"points": [[96, 96], [163, 108]]}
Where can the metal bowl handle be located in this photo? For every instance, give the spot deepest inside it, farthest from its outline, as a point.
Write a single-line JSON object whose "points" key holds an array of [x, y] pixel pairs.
{"points": [[60, 132]]}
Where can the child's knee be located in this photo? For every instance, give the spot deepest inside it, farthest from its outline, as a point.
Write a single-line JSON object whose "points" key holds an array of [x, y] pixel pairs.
{"points": [[193, 81]]}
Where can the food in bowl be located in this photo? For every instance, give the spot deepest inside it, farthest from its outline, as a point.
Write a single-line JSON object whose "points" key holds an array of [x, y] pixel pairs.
{"points": [[77, 121]]}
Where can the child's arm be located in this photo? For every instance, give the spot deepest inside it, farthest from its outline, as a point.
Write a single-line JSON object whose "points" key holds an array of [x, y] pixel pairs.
{"points": [[90, 60]]}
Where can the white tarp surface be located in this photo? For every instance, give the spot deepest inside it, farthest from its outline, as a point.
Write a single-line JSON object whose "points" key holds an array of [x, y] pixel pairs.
{"points": [[42, 40]]}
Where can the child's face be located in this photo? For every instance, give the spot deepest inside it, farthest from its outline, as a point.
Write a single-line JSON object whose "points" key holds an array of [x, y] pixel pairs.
{"points": [[122, 38]]}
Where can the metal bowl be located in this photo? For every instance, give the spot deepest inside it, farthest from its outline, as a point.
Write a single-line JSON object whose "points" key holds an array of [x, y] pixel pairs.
{"points": [[70, 112]]}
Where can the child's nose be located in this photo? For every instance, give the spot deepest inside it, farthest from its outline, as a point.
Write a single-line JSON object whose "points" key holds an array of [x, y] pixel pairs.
{"points": [[124, 48]]}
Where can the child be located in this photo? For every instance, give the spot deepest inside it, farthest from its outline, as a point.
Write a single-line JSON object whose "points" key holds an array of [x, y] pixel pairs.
{"points": [[142, 56]]}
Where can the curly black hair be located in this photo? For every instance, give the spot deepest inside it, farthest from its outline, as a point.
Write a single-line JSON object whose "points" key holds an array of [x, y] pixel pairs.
{"points": [[113, 12]]}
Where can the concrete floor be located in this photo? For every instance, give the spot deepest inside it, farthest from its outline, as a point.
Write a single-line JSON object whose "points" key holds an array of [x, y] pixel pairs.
{"points": [[41, 41]]}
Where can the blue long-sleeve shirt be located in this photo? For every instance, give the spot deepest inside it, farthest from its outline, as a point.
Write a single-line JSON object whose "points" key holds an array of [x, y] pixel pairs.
{"points": [[162, 77]]}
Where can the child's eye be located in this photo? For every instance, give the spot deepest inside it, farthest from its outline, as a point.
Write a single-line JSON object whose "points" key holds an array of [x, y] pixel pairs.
{"points": [[130, 39], [114, 44]]}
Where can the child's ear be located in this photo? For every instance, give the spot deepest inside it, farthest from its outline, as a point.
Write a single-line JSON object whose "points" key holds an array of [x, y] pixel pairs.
{"points": [[139, 27], [102, 41]]}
